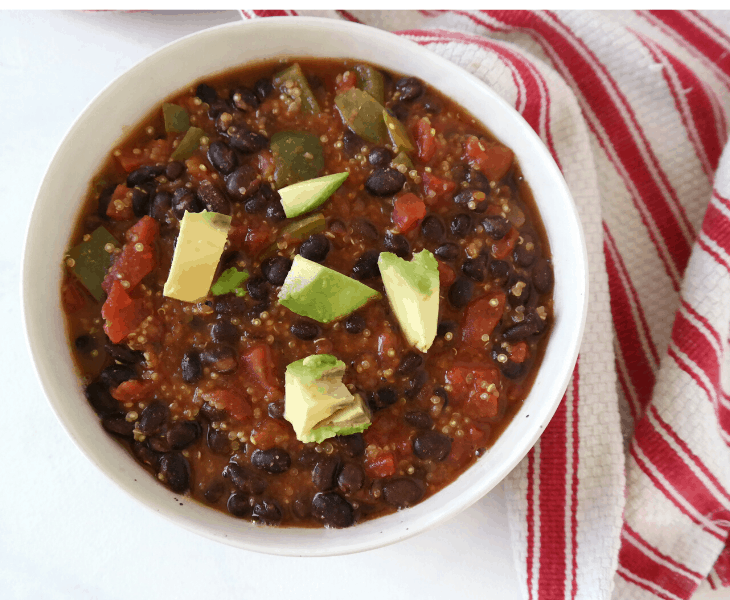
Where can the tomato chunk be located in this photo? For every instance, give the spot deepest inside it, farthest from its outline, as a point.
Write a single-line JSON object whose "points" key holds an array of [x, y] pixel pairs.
{"points": [[474, 387], [502, 248], [269, 433], [144, 231], [480, 319], [408, 210], [436, 188], [518, 353], [260, 364], [425, 139], [446, 274], [120, 205], [379, 464], [73, 298], [121, 313], [491, 158], [156, 151], [131, 265], [345, 82], [251, 240], [133, 390]]}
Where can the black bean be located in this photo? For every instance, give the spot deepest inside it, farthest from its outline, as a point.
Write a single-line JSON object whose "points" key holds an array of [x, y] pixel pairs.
{"points": [[513, 370], [338, 227], [221, 359], [118, 425], [159, 444], [206, 93], [441, 392], [143, 175], [161, 204], [499, 269], [113, 375], [229, 304], [366, 267], [397, 244], [350, 479], [380, 156], [244, 479], [244, 99], [275, 409], [384, 397], [403, 492], [213, 199], [262, 88], [324, 472], [256, 204], [124, 354], [315, 247], [332, 509], [140, 202], [352, 143], [542, 276], [355, 324], [447, 251], [496, 227], [174, 170], [214, 491], [520, 289], [267, 512], [242, 183], [185, 200], [218, 441], [238, 505], [445, 327], [258, 288], [146, 455], [247, 142], [475, 268], [525, 251], [152, 418], [176, 471], [460, 225], [224, 332], [274, 460], [276, 268], [101, 400], [85, 343], [432, 445], [418, 418], [254, 312], [416, 383], [530, 325], [275, 211], [478, 181], [192, 369], [302, 507], [182, 433], [352, 445], [460, 292], [431, 105], [409, 363], [401, 111], [105, 197], [432, 228], [365, 229], [222, 157], [410, 88], [385, 182], [304, 330]]}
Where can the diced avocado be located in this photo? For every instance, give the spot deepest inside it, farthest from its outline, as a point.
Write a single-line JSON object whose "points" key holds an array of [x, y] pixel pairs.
{"points": [[189, 144], [305, 98], [230, 282], [370, 80], [317, 403], [398, 133], [402, 159], [304, 196], [413, 292], [176, 118], [314, 291], [298, 156], [297, 231], [92, 259], [199, 247], [363, 114]]}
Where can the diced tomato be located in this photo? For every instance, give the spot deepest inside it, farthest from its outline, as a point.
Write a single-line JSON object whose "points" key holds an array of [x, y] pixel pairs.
{"points": [[130, 161], [388, 341], [260, 364], [446, 275], [436, 188], [491, 158], [345, 82], [144, 231], [474, 387], [269, 433], [408, 210], [121, 313], [156, 151], [425, 139], [518, 352], [73, 297], [131, 265], [133, 390], [502, 248], [266, 164], [379, 464], [120, 205], [235, 402], [481, 317], [252, 241], [197, 170]]}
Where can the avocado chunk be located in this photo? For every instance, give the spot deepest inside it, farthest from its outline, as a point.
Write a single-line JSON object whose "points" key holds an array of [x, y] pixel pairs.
{"points": [[199, 247], [413, 292], [322, 294], [317, 404], [304, 196]]}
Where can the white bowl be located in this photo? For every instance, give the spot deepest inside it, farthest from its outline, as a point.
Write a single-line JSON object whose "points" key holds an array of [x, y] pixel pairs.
{"points": [[125, 102]]}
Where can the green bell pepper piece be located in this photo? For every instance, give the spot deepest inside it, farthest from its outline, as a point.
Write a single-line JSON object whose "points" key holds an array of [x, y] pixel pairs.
{"points": [[398, 133], [370, 80], [176, 118], [297, 231], [188, 144], [402, 159], [230, 281], [363, 114], [91, 260], [298, 156], [310, 106]]}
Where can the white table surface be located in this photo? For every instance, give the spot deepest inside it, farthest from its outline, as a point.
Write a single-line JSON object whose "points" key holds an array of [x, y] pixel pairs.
{"points": [[65, 530]]}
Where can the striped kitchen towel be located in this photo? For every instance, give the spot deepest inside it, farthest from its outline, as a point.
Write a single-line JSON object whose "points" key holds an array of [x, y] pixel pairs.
{"points": [[627, 493]]}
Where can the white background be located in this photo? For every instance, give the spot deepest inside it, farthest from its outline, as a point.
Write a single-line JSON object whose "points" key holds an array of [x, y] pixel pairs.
{"points": [[65, 530]]}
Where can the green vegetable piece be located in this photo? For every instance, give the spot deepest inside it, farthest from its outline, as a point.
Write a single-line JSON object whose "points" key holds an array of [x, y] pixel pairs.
{"points": [[370, 80], [304, 196], [176, 118], [297, 231], [188, 144], [298, 156], [230, 281], [402, 159], [321, 434], [398, 133], [309, 105], [91, 260], [363, 114]]}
